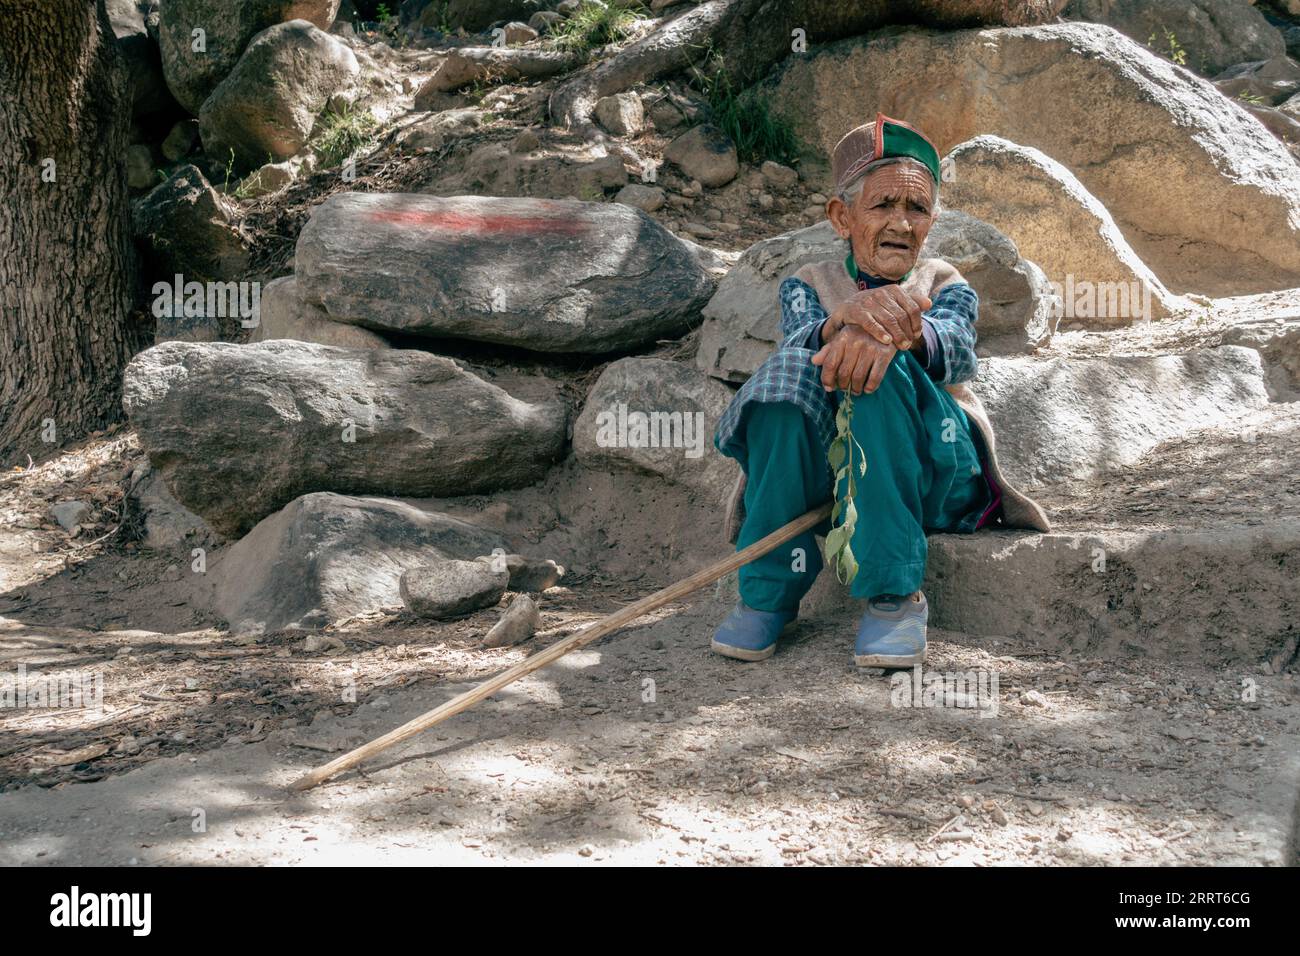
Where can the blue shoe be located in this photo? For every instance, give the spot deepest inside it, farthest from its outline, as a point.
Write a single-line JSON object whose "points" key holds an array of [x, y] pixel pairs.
{"points": [[892, 632], [750, 635]]}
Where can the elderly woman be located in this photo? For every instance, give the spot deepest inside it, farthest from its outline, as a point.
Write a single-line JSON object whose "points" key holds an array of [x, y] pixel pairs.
{"points": [[898, 333]]}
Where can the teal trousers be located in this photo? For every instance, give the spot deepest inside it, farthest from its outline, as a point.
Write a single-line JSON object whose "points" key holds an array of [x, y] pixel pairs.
{"points": [[923, 474]]}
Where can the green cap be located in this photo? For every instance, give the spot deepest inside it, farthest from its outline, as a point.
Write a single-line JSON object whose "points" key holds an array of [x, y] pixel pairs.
{"points": [[869, 142]]}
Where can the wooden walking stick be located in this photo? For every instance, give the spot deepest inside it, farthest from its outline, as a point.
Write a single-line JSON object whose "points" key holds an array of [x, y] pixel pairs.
{"points": [[588, 634]]}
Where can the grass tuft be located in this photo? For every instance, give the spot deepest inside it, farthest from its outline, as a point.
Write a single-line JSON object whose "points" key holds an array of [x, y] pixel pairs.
{"points": [[340, 135], [746, 117], [593, 25]]}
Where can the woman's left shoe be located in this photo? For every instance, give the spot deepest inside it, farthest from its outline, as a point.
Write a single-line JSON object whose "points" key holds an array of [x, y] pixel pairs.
{"points": [[892, 632]]}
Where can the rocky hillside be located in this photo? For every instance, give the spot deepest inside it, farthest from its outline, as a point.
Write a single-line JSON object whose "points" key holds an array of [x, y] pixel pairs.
{"points": [[504, 200], [413, 270]]}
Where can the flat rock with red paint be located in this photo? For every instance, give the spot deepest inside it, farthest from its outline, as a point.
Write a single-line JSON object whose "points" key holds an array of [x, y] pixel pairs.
{"points": [[540, 274]]}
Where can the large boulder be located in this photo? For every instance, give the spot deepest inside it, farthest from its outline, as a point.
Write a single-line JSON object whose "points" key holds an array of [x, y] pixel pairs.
{"points": [[1016, 303], [1210, 34], [1159, 147], [1281, 123], [552, 276], [268, 105], [1269, 82], [742, 321], [238, 431], [1063, 418], [655, 417], [325, 557], [186, 227], [755, 34], [283, 315], [227, 26], [1054, 221]]}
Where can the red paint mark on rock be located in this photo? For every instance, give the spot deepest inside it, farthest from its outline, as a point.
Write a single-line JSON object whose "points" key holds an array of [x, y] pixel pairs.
{"points": [[480, 224]]}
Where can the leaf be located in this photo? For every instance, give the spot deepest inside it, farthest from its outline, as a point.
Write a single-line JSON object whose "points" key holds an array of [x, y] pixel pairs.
{"points": [[836, 540], [846, 568], [837, 455], [851, 564]]}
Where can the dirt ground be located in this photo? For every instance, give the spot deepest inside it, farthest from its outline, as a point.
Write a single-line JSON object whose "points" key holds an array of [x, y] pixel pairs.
{"points": [[645, 748], [801, 759]]}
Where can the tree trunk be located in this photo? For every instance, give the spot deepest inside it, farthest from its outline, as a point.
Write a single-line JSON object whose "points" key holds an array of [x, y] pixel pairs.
{"points": [[66, 260]]}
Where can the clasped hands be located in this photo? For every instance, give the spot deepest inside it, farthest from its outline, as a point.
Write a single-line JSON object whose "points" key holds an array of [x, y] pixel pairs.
{"points": [[864, 333]]}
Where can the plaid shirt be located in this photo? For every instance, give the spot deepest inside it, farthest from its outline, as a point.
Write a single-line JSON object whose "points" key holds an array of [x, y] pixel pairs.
{"points": [[788, 374]]}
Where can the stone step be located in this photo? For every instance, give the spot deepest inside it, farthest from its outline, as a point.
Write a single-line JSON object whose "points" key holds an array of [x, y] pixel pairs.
{"points": [[1191, 553], [1229, 595]]}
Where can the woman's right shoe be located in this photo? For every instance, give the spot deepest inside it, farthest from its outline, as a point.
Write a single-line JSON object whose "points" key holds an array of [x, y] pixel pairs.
{"points": [[750, 635]]}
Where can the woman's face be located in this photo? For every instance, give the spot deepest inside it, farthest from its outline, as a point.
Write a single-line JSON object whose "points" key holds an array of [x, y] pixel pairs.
{"points": [[889, 220]]}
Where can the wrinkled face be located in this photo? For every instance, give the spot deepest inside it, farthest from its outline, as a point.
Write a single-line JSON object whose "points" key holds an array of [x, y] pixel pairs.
{"points": [[889, 220]]}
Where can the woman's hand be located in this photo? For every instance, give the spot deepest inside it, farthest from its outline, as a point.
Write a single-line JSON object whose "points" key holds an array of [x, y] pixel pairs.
{"points": [[854, 361], [887, 314]]}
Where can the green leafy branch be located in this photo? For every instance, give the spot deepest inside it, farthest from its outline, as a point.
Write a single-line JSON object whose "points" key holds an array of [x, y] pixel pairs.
{"points": [[844, 516], [1175, 53]]}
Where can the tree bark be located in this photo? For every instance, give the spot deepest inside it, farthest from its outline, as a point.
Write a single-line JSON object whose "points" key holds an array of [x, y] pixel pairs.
{"points": [[504, 64], [66, 259], [753, 35], [671, 47]]}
